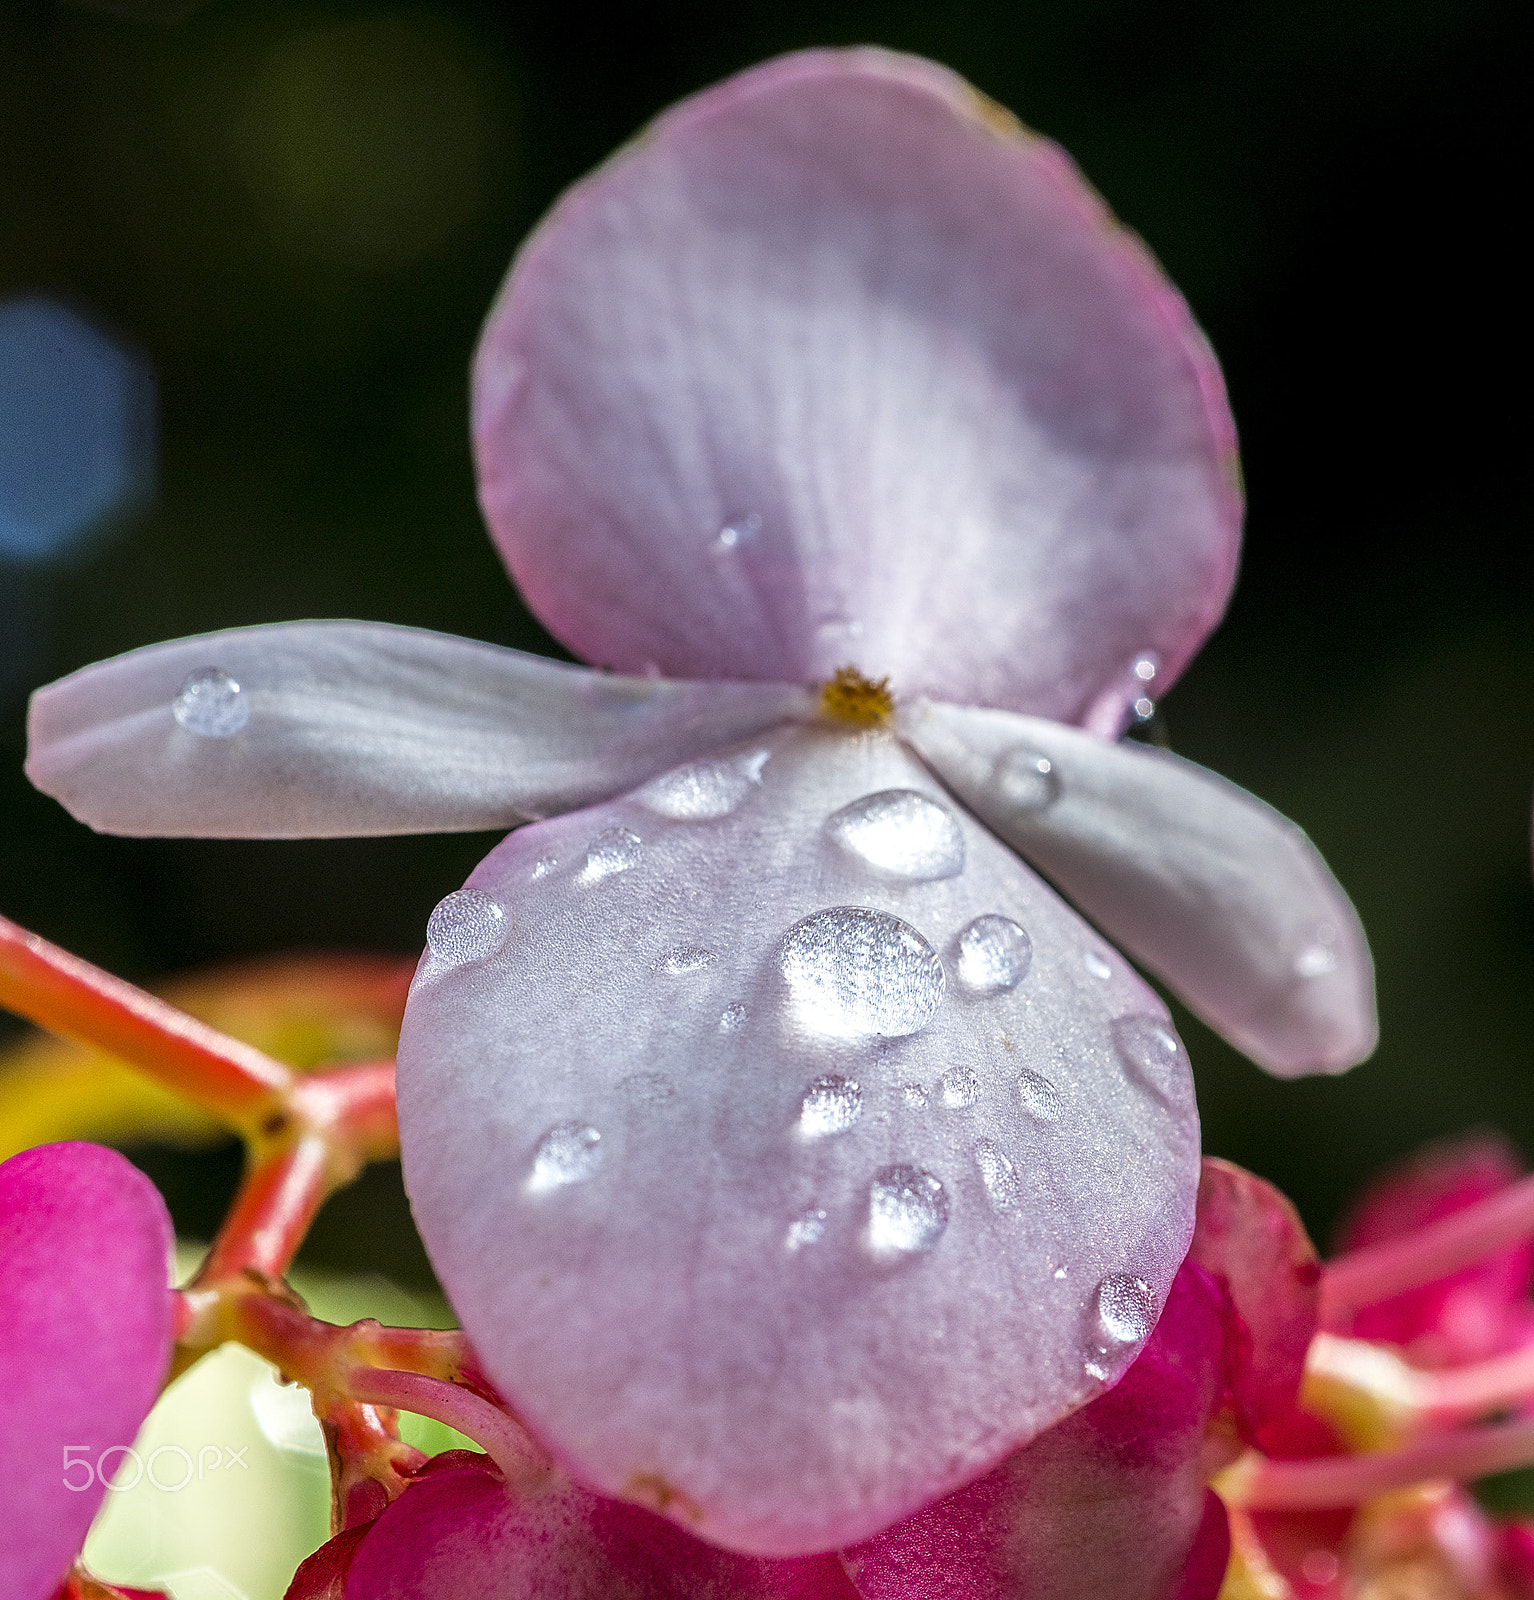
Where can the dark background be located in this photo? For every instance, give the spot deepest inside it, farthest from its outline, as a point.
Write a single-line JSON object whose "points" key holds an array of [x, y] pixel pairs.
{"points": [[300, 212]]}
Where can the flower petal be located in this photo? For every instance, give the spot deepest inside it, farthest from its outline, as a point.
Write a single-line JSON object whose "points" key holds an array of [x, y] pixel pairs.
{"points": [[1111, 1501], [460, 1534], [837, 363], [85, 1319], [790, 1166], [1201, 882], [323, 729]]}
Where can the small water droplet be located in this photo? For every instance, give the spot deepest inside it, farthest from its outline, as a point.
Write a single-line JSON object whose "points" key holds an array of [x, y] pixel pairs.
{"points": [[1096, 965], [959, 1088], [1003, 1187], [613, 850], [211, 704], [544, 865], [852, 971], [1144, 708], [1095, 1369], [808, 1227], [1126, 1309], [1040, 1097], [1147, 1046], [907, 1211], [901, 833], [994, 953], [830, 1105], [1026, 779], [1060, 1272], [1315, 961], [732, 1017], [738, 532], [466, 925], [914, 1096], [687, 958], [570, 1152], [700, 790], [1145, 667]]}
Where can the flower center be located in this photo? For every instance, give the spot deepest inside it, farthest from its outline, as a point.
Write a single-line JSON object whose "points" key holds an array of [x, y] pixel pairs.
{"points": [[847, 696]]}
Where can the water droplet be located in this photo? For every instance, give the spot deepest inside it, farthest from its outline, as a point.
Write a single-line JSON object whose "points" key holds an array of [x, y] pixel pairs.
{"points": [[738, 531], [732, 1017], [1144, 708], [807, 1228], [544, 865], [1060, 1272], [994, 953], [570, 1152], [907, 1211], [1096, 1369], [1040, 1097], [914, 1096], [1145, 667], [613, 850], [901, 833], [959, 1088], [1147, 1046], [830, 1105], [1126, 1309], [211, 704], [1096, 965], [1002, 1186], [701, 790], [1025, 778], [687, 958], [1315, 961], [852, 971], [466, 925]]}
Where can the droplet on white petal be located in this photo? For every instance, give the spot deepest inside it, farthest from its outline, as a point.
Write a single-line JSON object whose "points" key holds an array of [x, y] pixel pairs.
{"points": [[1026, 779], [831, 1104], [1097, 965], [1126, 1309], [1041, 1099], [959, 1088], [687, 958], [1148, 1047], [211, 704], [856, 972], [900, 834], [1003, 1188], [570, 1152], [467, 925], [613, 850], [807, 1228], [907, 1211], [994, 955]]}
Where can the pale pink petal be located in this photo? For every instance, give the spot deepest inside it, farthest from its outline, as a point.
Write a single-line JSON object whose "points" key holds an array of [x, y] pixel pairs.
{"points": [[320, 729], [1199, 881], [461, 1534], [1250, 1238], [706, 1270], [837, 364], [1110, 1503], [85, 1323]]}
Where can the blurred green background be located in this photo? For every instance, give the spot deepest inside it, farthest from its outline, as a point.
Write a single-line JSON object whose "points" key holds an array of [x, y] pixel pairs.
{"points": [[300, 212]]}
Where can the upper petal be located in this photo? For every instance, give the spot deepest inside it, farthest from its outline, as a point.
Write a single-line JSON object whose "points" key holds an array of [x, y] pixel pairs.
{"points": [[1201, 882], [85, 1321], [322, 729], [837, 363], [789, 1165]]}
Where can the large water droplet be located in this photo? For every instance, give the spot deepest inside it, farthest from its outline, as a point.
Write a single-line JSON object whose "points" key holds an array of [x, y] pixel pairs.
{"points": [[994, 953], [1003, 1187], [807, 1228], [1148, 1047], [702, 790], [830, 1105], [466, 925], [959, 1088], [907, 1211], [1040, 1097], [738, 532], [570, 1152], [211, 704], [852, 971], [1126, 1309], [901, 833], [1025, 778], [687, 958], [733, 1017], [613, 850], [1097, 965]]}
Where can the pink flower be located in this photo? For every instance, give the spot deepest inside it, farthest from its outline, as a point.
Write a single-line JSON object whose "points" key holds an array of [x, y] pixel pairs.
{"points": [[85, 1309], [790, 1151]]}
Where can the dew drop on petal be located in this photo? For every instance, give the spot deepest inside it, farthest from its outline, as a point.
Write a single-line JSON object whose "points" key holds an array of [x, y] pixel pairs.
{"points": [[1096, 1369], [914, 1096], [1060, 1272], [733, 1017], [808, 1227], [544, 865], [687, 958], [466, 925], [1126, 1309], [699, 791], [613, 850], [1025, 778], [1040, 1097], [907, 1211], [570, 1152], [211, 704], [902, 834], [1147, 1046], [959, 1088], [854, 972], [1097, 965], [994, 953], [1003, 1188], [830, 1104], [1315, 961]]}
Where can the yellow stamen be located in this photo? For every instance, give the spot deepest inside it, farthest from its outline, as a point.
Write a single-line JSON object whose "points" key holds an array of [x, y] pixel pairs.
{"points": [[850, 697]]}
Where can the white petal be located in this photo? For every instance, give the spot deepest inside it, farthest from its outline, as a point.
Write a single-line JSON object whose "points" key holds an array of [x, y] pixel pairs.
{"points": [[761, 1203], [324, 729], [1205, 885]]}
